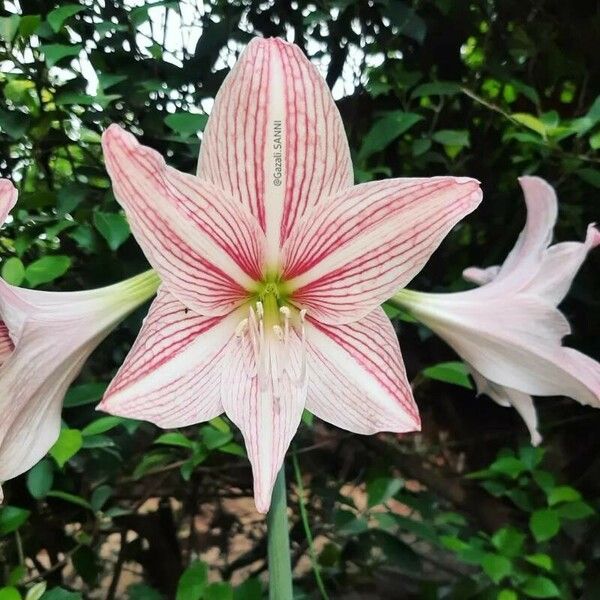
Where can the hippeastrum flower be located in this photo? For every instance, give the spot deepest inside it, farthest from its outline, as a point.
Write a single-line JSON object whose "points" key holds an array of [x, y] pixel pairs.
{"points": [[509, 330], [273, 267], [45, 337]]}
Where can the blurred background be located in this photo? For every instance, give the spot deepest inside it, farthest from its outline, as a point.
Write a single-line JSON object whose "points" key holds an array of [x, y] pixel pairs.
{"points": [[466, 509]]}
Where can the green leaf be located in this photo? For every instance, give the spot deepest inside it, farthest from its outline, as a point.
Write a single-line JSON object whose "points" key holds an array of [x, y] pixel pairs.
{"points": [[452, 137], [454, 372], [192, 582], [544, 524], [59, 593], [381, 489], [591, 176], [35, 592], [213, 438], [67, 445], [13, 271], [14, 123], [508, 465], [218, 591], [46, 269], [174, 439], [186, 124], [507, 595], [40, 479], [575, 511], [540, 587], [56, 52], [85, 393], [11, 518], [9, 27], [10, 593], [59, 15], [101, 425], [70, 196], [496, 567], [113, 227], [99, 497], [386, 130], [531, 122], [233, 448], [540, 560], [72, 498], [436, 88], [508, 541], [563, 493], [249, 590]]}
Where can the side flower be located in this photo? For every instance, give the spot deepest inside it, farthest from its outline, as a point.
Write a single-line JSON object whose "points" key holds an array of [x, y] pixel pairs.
{"points": [[509, 330], [45, 337], [274, 266]]}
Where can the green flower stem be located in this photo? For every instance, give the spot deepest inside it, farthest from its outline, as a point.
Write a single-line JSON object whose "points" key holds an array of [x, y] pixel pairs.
{"points": [[307, 532], [280, 566]]}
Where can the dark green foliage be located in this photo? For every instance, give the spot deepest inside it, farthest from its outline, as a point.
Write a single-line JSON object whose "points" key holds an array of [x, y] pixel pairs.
{"points": [[487, 88]]}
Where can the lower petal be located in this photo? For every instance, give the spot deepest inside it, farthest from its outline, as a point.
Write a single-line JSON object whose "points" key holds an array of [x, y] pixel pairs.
{"points": [[505, 396], [266, 405], [171, 376], [356, 377]]}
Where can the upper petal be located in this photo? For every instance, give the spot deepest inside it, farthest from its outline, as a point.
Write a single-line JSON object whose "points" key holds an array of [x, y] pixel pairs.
{"points": [[6, 343], [356, 376], [207, 248], [265, 399], [559, 266], [542, 208], [274, 139], [354, 251], [8, 197], [172, 374]]}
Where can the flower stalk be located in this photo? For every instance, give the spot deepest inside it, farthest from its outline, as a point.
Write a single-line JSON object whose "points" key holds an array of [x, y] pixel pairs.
{"points": [[278, 543]]}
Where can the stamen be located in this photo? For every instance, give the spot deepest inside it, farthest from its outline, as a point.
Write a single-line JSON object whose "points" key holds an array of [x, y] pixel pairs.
{"points": [[278, 331], [241, 328], [260, 311]]}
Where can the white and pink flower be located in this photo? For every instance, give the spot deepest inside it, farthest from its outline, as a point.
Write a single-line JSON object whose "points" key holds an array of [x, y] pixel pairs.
{"points": [[45, 337], [274, 266], [509, 330]]}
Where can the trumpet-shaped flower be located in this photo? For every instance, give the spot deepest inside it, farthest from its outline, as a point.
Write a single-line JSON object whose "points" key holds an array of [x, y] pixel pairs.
{"points": [[510, 330], [45, 337], [273, 267]]}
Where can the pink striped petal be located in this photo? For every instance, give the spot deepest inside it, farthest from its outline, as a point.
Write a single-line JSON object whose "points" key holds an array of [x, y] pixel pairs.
{"points": [[357, 379], [207, 248], [275, 140], [172, 374], [8, 198], [354, 251], [6, 343], [266, 402]]}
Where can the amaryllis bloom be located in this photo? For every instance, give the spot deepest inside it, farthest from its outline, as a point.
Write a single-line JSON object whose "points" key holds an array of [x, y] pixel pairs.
{"points": [[45, 337], [274, 266], [509, 330]]}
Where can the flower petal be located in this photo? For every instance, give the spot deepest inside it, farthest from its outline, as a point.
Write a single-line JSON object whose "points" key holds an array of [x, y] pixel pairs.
{"points": [[480, 276], [6, 343], [267, 409], [275, 139], [171, 376], [356, 377], [505, 396], [8, 198], [515, 343], [559, 266], [354, 251], [542, 209], [206, 247]]}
